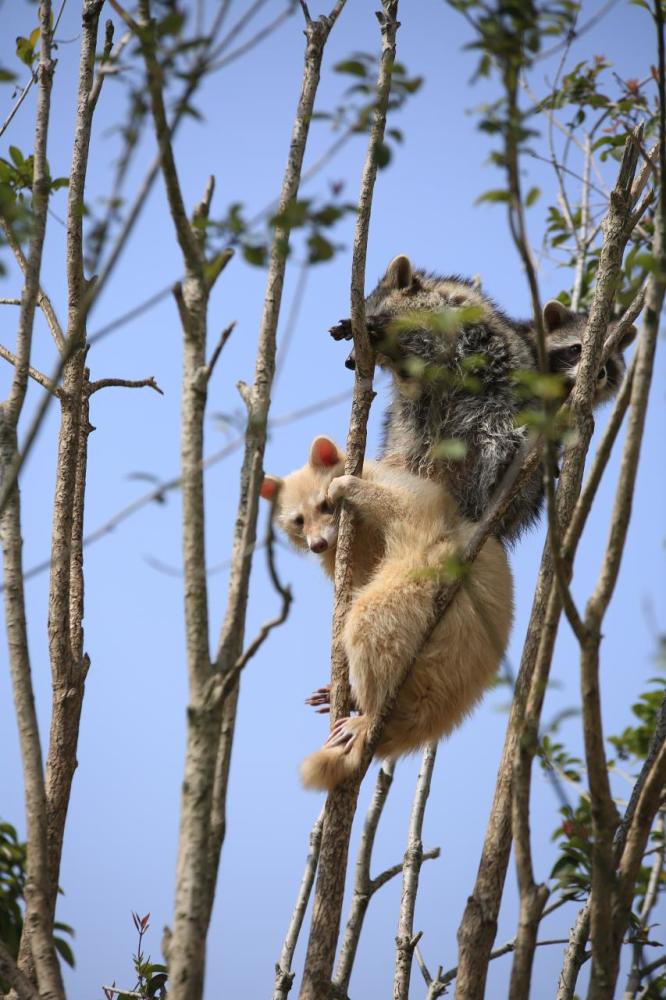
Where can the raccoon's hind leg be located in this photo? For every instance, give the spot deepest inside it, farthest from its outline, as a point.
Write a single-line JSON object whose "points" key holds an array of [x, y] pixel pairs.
{"points": [[339, 758]]}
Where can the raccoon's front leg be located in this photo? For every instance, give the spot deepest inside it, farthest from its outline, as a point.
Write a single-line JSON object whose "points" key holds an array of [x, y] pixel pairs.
{"points": [[321, 700], [375, 325], [378, 503]]}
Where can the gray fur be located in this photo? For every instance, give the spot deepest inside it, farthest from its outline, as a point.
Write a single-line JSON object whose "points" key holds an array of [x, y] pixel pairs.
{"points": [[437, 403]]}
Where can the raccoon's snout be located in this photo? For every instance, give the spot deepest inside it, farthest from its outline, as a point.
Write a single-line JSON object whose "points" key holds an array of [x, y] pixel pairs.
{"points": [[350, 363], [318, 545]]}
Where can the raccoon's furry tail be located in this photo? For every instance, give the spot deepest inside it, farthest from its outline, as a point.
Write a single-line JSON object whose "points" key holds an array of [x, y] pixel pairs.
{"points": [[327, 768]]}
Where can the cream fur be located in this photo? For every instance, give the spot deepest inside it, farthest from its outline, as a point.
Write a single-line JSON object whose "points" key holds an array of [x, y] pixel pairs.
{"points": [[408, 532]]}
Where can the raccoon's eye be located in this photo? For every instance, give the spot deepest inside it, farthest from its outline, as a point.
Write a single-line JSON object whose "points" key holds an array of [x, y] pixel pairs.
{"points": [[571, 353], [299, 520], [325, 507], [564, 357]]}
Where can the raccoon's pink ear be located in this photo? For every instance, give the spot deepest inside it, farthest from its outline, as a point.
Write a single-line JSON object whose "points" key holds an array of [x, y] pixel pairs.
{"points": [[399, 273], [324, 453], [270, 487], [555, 315], [628, 338]]}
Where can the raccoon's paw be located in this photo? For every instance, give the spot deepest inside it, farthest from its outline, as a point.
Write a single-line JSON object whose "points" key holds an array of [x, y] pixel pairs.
{"points": [[345, 733], [320, 700], [342, 486], [341, 330]]}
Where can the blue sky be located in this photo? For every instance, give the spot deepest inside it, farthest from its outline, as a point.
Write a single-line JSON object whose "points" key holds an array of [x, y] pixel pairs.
{"points": [[122, 829]]}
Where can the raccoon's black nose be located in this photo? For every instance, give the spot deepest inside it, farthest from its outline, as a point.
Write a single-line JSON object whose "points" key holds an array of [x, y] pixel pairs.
{"points": [[351, 362]]}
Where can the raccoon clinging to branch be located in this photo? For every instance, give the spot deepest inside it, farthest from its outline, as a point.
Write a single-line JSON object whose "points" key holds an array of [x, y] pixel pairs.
{"points": [[405, 544], [461, 377]]}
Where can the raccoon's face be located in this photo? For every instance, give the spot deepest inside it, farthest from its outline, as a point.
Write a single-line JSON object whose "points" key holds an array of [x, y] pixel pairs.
{"points": [[303, 509], [565, 330]]}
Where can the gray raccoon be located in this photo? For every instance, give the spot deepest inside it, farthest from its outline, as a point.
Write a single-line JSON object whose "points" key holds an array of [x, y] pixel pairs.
{"points": [[460, 383]]}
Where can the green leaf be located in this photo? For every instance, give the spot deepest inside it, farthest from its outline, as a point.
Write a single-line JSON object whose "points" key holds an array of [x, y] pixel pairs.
{"points": [[351, 66], [532, 196], [16, 156], [25, 51], [320, 249], [255, 255], [382, 155], [64, 950], [295, 214], [6, 76], [496, 195], [171, 24]]}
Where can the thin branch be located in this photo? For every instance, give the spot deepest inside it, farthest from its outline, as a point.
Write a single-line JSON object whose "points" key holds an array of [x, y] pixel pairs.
{"points": [[255, 39], [108, 54], [38, 376], [284, 977], [438, 985], [651, 892], [187, 241], [405, 941], [583, 238], [126, 383], [231, 677], [33, 77], [42, 299], [363, 884], [219, 347], [601, 458]]}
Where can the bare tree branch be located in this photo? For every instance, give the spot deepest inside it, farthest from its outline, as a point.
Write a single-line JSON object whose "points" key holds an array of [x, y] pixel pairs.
{"points": [[42, 299], [125, 383], [219, 347], [405, 940], [38, 376], [34, 76], [651, 892], [363, 884], [284, 977], [231, 677]]}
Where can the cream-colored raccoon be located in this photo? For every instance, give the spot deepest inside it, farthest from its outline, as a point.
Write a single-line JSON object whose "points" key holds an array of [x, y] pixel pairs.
{"points": [[406, 543]]}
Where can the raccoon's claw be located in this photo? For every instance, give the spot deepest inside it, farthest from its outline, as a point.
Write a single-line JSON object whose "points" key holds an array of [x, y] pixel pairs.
{"points": [[341, 330], [342, 734], [322, 696]]}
